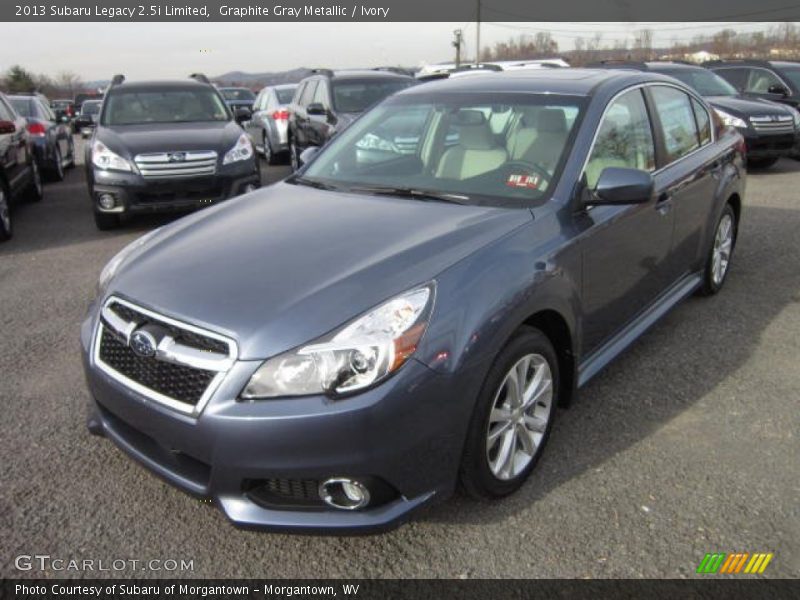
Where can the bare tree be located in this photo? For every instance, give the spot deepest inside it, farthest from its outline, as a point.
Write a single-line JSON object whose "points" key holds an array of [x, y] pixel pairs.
{"points": [[68, 83]]}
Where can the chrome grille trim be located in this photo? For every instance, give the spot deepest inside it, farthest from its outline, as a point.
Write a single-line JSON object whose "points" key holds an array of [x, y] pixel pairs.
{"points": [[770, 124], [194, 163], [168, 351]]}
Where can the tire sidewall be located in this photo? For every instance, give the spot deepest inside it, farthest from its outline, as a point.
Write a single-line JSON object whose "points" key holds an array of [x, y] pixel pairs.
{"points": [[476, 476]]}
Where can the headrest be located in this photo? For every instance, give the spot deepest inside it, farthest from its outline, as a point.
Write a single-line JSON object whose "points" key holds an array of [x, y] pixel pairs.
{"points": [[552, 120], [470, 117], [476, 137]]}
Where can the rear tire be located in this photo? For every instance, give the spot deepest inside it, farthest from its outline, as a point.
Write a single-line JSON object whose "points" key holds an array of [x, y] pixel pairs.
{"points": [[509, 431], [71, 164], [294, 159], [57, 170], [35, 191], [269, 155], [6, 227], [721, 252], [760, 163], [105, 222]]}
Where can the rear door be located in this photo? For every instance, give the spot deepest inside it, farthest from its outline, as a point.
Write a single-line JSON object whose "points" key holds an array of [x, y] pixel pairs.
{"points": [[689, 168], [13, 147], [319, 125], [302, 118], [625, 248]]}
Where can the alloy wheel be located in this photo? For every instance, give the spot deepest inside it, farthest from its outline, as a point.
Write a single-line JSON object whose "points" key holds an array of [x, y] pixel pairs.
{"points": [[723, 243], [293, 157], [267, 150], [59, 165], [520, 414], [37, 179], [5, 212]]}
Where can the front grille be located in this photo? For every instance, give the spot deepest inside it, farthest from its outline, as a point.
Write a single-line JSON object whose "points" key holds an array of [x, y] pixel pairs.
{"points": [[184, 384], [181, 370], [777, 125], [177, 164]]}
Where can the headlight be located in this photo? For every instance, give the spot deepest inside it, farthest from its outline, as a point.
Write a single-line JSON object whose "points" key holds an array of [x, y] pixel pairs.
{"points": [[357, 356], [242, 150], [796, 116], [112, 266], [103, 158], [730, 120]]}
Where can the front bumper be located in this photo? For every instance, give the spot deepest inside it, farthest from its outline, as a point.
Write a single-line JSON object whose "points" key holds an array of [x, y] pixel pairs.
{"points": [[136, 194], [407, 432], [760, 145]]}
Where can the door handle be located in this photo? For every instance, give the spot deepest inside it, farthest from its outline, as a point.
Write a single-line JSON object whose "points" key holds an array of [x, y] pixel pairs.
{"points": [[664, 203]]}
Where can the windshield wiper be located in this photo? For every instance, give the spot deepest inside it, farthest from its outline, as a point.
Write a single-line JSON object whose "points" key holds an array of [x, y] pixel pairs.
{"points": [[416, 193], [315, 183]]}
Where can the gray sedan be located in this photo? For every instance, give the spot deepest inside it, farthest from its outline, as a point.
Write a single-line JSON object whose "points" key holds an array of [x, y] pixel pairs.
{"points": [[268, 126]]}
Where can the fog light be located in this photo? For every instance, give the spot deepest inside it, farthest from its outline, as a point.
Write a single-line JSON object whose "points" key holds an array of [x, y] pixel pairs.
{"points": [[344, 494], [107, 201]]}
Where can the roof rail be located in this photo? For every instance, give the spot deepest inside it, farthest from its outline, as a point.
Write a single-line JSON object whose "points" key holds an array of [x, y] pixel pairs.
{"points": [[739, 61], [396, 70], [199, 77], [619, 64], [325, 72], [117, 79]]}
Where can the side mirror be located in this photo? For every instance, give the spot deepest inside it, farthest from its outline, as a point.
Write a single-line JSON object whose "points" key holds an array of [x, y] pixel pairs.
{"points": [[242, 114], [316, 108], [619, 185], [778, 90], [7, 127], [307, 154]]}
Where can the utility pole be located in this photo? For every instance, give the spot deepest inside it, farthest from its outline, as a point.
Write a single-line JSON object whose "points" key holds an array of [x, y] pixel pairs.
{"points": [[457, 44], [478, 35]]}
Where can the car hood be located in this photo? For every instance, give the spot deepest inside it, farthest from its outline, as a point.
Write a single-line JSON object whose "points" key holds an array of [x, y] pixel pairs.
{"points": [[741, 106], [130, 140], [286, 264]]}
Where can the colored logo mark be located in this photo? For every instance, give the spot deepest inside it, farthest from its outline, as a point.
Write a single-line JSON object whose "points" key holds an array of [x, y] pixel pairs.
{"points": [[734, 563]]}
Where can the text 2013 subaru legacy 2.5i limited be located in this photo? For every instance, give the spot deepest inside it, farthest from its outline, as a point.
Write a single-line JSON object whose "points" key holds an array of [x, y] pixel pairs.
{"points": [[404, 315]]}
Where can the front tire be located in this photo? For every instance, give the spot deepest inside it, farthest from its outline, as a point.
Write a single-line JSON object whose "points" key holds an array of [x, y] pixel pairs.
{"points": [[721, 252], [35, 190], [513, 417], [57, 170], [760, 163], [105, 222], [294, 158]]}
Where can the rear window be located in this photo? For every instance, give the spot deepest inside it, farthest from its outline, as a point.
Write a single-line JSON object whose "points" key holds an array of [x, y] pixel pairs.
{"points": [[354, 96], [90, 108], [285, 95], [23, 106], [238, 94]]}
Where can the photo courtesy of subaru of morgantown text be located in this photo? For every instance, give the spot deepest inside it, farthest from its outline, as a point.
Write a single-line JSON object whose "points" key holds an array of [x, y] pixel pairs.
{"points": [[312, 302]]}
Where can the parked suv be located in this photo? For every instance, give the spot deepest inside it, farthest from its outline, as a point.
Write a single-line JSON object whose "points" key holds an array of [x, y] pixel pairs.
{"points": [[166, 145], [771, 130], [269, 125], [777, 80], [19, 170], [51, 136], [328, 101], [347, 345]]}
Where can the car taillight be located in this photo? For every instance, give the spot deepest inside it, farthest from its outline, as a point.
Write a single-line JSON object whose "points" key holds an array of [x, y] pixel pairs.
{"points": [[281, 115], [36, 129]]}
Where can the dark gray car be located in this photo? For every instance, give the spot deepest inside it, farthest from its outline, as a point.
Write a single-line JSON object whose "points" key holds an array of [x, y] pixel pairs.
{"points": [[268, 127], [338, 349]]}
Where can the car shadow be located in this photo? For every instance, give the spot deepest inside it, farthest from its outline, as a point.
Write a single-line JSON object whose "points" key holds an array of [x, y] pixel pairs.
{"points": [[684, 357]]}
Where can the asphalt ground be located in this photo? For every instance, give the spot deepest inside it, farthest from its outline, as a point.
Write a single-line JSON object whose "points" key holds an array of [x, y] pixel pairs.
{"points": [[687, 444]]}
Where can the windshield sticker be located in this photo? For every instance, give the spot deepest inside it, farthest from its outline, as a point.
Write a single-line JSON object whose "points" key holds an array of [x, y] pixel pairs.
{"points": [[524, 181]]}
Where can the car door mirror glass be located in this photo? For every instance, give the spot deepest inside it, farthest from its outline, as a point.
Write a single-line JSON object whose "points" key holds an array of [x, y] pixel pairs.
{"points": [[621, 185], [242, 114], [778, 90], [316, 108]]}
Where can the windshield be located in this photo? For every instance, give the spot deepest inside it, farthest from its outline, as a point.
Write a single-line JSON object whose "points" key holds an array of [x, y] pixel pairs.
{"points": [[793, 75], [355, 96], [238, 94], [23, 106], [90, 108], [703, 82], [498, 149], [285, 95], [129, 107]]}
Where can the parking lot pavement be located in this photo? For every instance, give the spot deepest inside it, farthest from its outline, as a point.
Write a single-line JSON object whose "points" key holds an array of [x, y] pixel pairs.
{"points": [[685, 445]]}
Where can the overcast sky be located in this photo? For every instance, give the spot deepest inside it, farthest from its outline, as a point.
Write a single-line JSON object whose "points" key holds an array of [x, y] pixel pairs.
{"points": [[157, 50]]}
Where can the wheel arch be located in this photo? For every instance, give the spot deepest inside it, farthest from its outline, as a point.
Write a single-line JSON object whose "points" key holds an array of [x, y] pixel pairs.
{"points": [[553, 325]]}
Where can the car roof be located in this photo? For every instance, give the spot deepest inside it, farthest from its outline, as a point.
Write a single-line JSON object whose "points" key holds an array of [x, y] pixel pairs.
{"points": [[234, 87], [361, 74], [581, 82]]}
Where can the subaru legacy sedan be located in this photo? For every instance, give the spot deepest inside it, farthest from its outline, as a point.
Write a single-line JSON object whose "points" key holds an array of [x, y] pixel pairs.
{"points": [[337, 350]]}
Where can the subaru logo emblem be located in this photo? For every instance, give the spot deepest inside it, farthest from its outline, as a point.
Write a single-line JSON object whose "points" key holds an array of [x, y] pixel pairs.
{"points": [[143, 343], [177, 156]]}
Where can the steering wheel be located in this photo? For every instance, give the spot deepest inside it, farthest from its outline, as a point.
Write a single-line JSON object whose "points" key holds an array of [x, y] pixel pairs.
{"points": [[520, 167]]}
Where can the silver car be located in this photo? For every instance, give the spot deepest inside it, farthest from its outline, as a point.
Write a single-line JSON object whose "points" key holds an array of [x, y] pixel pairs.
{"points": [[269, 124]]}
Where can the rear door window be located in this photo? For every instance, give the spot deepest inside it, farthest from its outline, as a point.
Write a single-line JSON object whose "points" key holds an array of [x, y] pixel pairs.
{"points": [[703, 122], [737, 77]]}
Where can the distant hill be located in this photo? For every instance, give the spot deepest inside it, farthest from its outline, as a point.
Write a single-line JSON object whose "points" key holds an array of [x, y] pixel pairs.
{"points": [[259, 80]]}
